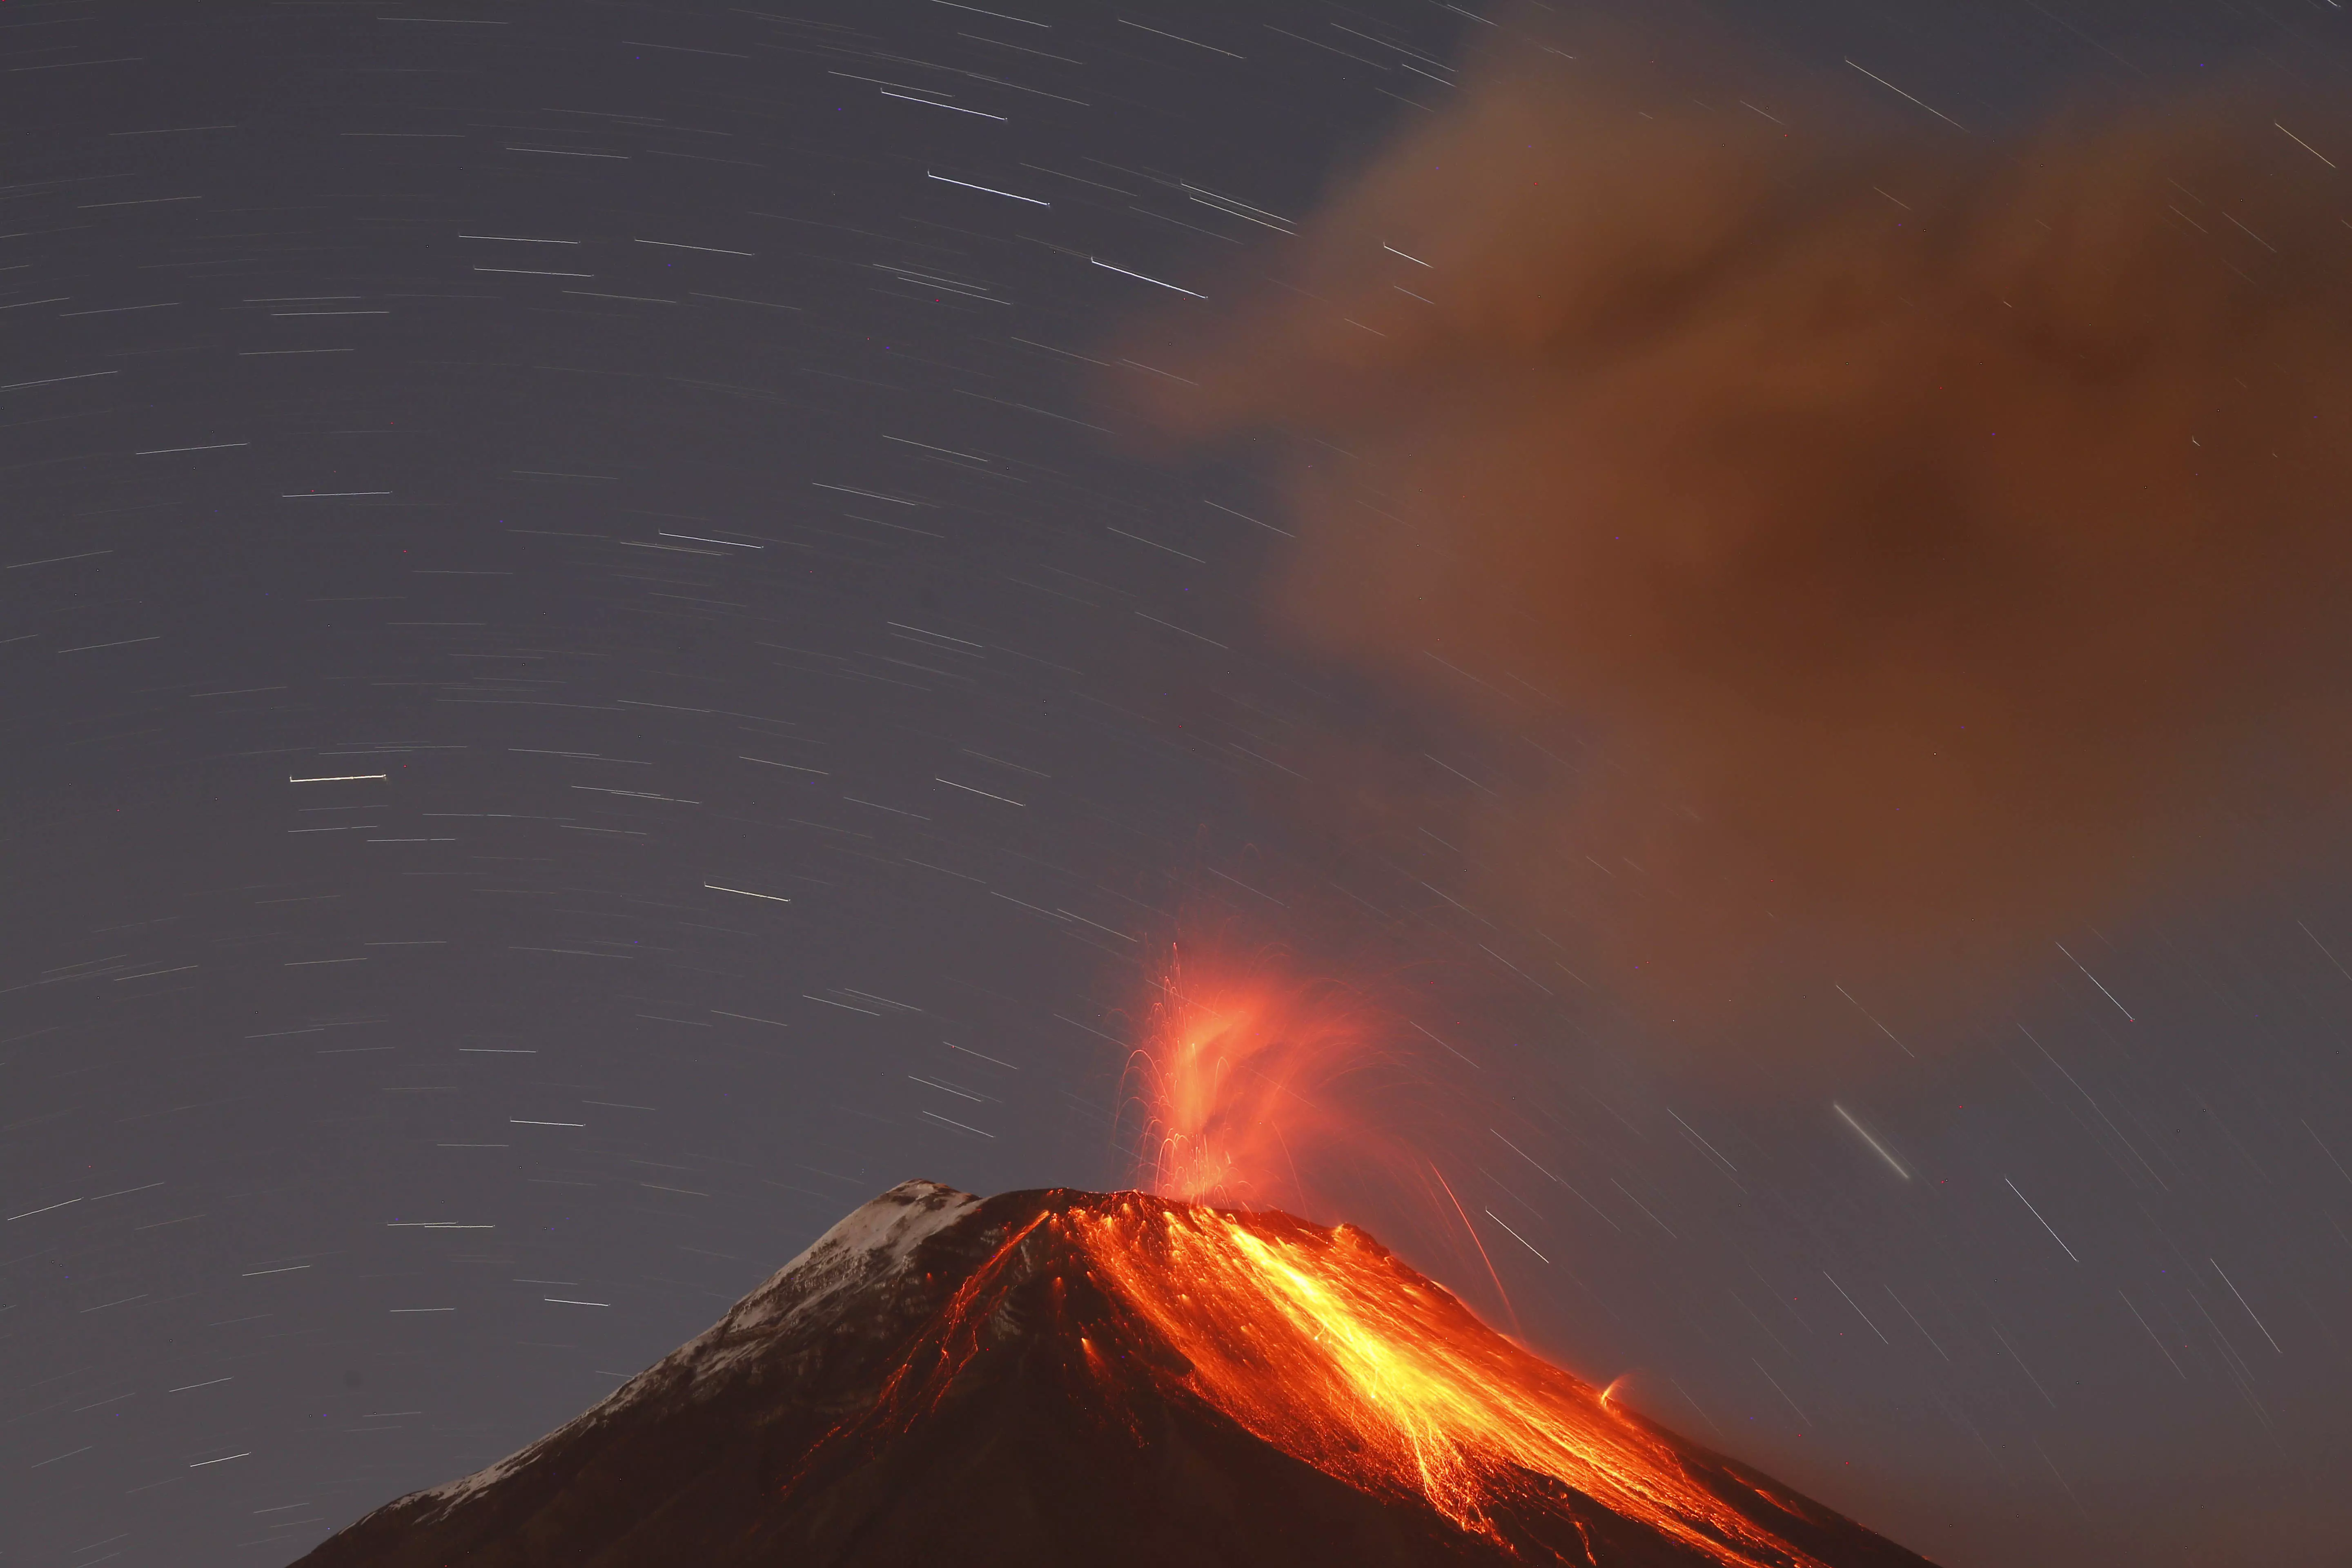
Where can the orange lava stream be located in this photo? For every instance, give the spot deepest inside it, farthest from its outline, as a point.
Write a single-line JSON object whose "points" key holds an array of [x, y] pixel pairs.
{"points": [[1325, 1346], [1320, 1342]]}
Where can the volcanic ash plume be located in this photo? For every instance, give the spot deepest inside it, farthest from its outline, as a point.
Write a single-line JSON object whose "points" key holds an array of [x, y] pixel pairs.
{"points": [[1944, 533]]}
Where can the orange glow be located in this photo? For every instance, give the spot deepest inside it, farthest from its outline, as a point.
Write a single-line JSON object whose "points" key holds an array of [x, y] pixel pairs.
{"points": [[1243, 1081], [1322, 1343]]}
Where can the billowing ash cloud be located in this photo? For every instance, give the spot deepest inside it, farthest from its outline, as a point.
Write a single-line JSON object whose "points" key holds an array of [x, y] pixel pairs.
{"points": [[1949, 534]]}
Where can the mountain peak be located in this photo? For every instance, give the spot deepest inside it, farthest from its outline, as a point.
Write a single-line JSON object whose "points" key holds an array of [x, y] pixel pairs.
{"points": [[875, 1238], [1070, 1377]]}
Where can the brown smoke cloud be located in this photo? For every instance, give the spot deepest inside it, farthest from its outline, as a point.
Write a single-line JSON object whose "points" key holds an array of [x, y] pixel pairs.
{"points": [[1946, 533]]}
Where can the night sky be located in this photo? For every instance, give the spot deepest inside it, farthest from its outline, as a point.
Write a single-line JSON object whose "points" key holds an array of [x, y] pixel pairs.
{"points": [[594, 669]]}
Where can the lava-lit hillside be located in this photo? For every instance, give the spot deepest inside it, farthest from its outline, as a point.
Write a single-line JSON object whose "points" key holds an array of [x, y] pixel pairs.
{"points": [[1068, 1377]]}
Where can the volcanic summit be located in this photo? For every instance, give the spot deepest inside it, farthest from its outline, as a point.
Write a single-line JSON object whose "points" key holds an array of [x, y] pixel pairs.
{"points": [[1061, 1377]]}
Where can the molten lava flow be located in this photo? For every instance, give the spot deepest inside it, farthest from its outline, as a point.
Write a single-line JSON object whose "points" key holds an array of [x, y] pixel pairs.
{"points": [[1323, 1345], [1319, 1341]]}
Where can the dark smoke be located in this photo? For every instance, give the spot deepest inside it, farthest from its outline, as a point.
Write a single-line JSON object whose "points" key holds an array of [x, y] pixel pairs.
{"points": [[1945, 531]]}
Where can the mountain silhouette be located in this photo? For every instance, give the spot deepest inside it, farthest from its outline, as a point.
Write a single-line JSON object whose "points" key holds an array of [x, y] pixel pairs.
{"points": [[1061, 1377]]}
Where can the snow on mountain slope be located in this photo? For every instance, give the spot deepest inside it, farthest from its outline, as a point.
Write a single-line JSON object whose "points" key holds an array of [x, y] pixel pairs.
{"points": [[858, 1254]]}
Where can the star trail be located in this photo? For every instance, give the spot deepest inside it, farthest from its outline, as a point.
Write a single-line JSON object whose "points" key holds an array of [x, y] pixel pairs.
{"points": [[596, 667]]}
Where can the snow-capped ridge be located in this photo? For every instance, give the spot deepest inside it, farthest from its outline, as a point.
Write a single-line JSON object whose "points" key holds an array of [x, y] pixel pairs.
{"points": [[864, 1246], [875, 1237]]}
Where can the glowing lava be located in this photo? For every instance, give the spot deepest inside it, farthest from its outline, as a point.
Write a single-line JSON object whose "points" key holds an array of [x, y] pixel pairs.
{"points": [[1320, 1342], [1062, 1379], [1324, 1344]]}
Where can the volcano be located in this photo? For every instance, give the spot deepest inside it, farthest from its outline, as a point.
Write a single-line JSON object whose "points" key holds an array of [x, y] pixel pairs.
{"points": [[1060, 1377]]}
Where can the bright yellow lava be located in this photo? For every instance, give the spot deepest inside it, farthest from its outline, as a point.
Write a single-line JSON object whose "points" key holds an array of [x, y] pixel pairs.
{"points": [[1325, 1346]]}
